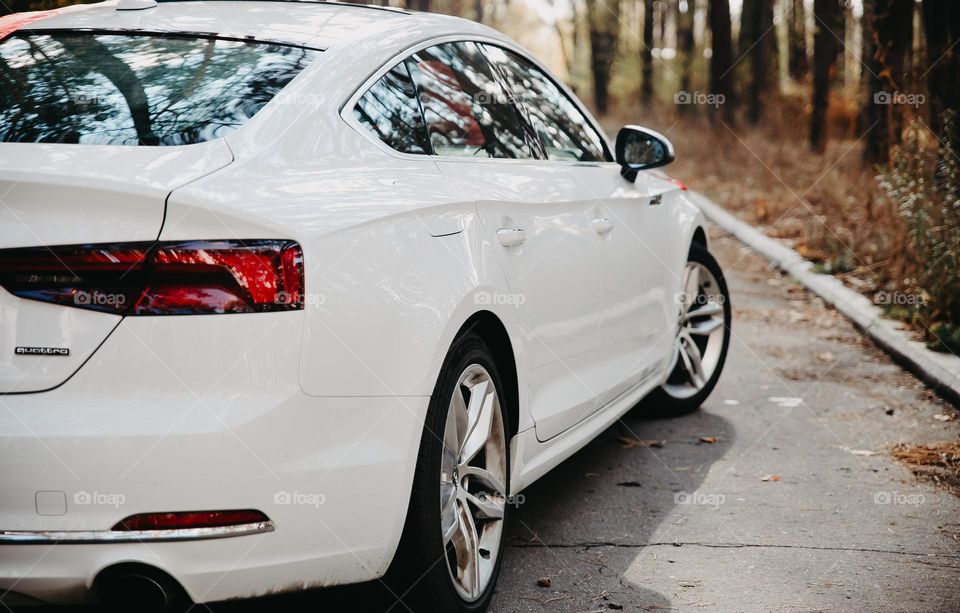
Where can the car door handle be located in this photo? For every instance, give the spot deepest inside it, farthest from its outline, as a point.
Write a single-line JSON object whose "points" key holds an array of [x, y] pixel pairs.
{"points": [[602, 224], [511, 237]]}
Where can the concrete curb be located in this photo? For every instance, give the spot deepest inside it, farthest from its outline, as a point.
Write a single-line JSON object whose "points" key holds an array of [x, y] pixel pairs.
{"points": [[938, 370]]}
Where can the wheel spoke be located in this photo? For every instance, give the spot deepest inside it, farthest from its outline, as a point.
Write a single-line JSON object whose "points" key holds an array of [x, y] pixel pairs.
{"points": [[449, 523], [711, 308], [467, 545], [691, 284], [704, 328], [456, 414], [483, 401], [487, 506], [693, 362], [484, 476]]}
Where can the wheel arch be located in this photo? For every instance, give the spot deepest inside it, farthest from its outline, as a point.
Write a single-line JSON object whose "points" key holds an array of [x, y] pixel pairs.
{"points": [[488, 327]]}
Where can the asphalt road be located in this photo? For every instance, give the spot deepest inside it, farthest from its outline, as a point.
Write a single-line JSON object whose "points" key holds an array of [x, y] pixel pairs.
{"points": [[786, 511]]}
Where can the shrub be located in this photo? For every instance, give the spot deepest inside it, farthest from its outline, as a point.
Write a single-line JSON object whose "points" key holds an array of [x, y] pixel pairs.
{"points": [[924, 183]]}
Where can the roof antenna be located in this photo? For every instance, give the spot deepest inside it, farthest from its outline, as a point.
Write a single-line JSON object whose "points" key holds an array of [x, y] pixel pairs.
{"points": [[136, 5]]}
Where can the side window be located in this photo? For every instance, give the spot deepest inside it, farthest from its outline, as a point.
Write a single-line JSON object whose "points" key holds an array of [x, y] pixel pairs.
{"points": [[563, 131], [465, 108], [390, 110]]}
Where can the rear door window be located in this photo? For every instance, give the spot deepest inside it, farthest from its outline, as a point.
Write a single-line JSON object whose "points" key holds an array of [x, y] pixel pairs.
{"points": [[466, 110], [136, 89], [391, 112], [564, 132]]}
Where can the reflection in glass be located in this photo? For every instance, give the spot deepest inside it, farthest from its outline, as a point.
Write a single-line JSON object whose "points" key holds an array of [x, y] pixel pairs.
{"points": [[108, 89], [390, 110], [466, 111], [563, 131]]}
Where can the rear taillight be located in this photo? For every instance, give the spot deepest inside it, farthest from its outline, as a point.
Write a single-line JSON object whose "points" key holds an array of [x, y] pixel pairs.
{"points": [[181, 520], [161, 278]]}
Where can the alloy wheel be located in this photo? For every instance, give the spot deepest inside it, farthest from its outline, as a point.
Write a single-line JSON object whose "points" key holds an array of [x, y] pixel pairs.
{"points": [[473, 482], [700, 333]]}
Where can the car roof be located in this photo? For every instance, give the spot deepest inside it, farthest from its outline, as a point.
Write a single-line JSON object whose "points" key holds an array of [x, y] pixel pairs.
{"points": [[320, 25]]}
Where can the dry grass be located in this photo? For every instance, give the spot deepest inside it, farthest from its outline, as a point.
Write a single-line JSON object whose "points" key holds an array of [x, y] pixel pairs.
{"points": [[936, 462]]}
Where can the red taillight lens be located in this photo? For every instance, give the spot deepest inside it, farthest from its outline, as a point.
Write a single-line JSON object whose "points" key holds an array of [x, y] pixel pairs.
{"points": [[180, 520], [164, 278]]}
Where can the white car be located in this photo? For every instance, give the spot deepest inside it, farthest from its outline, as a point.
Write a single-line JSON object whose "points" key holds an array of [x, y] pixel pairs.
{"points": [[296, 294]]}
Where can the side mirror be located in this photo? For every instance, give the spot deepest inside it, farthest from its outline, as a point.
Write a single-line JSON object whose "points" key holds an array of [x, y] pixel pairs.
{"points": [[639, 149]]}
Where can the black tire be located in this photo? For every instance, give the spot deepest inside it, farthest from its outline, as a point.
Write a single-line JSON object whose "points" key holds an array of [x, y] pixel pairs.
{"points": [[659, 401], [419, 574]]}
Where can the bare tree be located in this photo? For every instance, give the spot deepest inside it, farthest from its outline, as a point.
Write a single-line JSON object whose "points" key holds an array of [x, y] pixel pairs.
{"points": [[721, 61], [878, 32], [646, 52], [685, 44], [826, 14], [941, 25], [758, 47], [604, 19], [797, 40]]}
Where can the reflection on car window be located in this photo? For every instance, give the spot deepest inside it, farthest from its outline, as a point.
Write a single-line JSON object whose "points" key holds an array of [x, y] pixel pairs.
{"points": [[108, 89], [563, 131], [390, 110], [465, 108]]}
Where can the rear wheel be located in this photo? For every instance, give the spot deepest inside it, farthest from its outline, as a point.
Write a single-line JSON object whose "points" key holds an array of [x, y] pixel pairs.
{"points": [[702, 337], [449, 557]]}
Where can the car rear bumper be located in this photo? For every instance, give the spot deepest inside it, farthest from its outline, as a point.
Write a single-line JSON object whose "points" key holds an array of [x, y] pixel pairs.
{"points": [[333, 475]]}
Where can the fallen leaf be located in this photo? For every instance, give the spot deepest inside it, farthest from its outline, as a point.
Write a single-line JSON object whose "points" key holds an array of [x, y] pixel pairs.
{"points": [[941, 417], [629, 484], [826, 356], [770, 478], [630, 442], [709, 439], [544, 582]]}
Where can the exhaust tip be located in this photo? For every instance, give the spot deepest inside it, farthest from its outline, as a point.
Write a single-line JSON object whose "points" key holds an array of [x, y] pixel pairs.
{"points": [[139, 587]]}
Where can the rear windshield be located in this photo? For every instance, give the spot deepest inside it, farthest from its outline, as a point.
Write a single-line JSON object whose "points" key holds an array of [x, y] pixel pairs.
{"points": [[136, 89]]}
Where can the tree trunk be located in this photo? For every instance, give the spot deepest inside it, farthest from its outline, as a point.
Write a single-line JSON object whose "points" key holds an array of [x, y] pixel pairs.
{"points": [[901, 17], [826, 13], [646, 53], [685, 44], [797, 37], [721, 61], [604, 19], [878, 31], [758, 48], [941, 25]]}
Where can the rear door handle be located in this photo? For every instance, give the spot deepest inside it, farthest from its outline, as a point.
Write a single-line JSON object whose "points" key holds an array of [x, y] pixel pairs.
{"points": [[602, 224], [511, 237]]}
